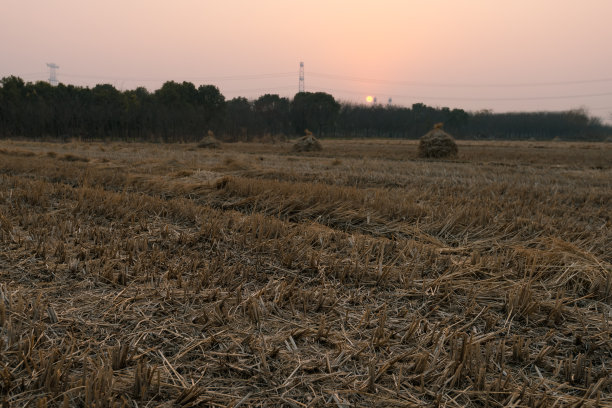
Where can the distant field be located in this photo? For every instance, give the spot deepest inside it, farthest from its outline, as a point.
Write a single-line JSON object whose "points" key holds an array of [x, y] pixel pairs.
{"points": [[167, 275]]}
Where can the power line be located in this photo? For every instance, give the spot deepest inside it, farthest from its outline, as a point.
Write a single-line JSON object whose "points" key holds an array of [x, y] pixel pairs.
{"points": [[459, 85], [246, 77], [527, 98], [342, 78], [32, 74], [279, 88], [483, 99], [211, 78]]}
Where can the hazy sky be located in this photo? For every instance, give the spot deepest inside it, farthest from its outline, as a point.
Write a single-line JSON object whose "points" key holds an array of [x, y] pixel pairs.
{"points": [[503, 55]]}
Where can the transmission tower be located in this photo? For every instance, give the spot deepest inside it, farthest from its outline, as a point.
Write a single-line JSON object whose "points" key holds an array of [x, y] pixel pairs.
{"points": [[301, 87], [52, 73]]}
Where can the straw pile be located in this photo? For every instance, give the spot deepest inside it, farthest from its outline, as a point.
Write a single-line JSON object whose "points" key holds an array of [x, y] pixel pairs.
{"points": [[307, 143], [209, 141], [437, 143]]}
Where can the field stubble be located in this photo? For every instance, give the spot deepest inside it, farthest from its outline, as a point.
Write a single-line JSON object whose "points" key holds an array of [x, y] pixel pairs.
{"points": [[163, 275]]}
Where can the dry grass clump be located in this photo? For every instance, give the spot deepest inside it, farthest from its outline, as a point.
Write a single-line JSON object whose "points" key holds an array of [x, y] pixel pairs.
{"points": [[74, 158], [209, 141], [18, 152], [150, 287], [307, 143], [271, 138], [437, 143], [231, 164], [182, 173]]}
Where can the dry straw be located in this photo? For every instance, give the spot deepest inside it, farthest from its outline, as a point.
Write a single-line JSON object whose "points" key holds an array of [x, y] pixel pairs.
{"points": [[318, 288], [209, 141], [437, 143], [307, 143]]}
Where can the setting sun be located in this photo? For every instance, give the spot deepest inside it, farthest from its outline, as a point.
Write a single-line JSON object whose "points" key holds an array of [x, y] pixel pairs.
{"points": [[369, 99]]}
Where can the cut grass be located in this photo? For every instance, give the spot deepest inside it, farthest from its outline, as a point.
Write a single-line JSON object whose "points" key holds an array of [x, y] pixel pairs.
{"points": [[164, 276]]}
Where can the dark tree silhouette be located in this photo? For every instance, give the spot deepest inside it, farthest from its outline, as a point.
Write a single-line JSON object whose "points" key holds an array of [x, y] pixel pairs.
{"points": [[273, 112], [316, 111], [182, 112]]}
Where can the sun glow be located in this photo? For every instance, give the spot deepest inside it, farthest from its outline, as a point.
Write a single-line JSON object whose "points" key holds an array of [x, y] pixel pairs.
{"points": [[369, 99]]}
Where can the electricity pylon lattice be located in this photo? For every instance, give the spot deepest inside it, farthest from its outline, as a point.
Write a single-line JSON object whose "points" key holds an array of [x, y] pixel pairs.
{"points": [[52, 73], [301, 87]]}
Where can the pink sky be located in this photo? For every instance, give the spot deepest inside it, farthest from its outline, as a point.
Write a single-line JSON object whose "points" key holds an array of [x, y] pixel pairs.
{"points": [[471, 54]]}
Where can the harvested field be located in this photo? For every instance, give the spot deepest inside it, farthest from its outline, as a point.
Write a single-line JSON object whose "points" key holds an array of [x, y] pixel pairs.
{"points": [[165, 275]]}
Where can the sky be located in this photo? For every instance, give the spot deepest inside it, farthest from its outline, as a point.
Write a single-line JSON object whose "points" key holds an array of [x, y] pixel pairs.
{"points": [[519, 55]]}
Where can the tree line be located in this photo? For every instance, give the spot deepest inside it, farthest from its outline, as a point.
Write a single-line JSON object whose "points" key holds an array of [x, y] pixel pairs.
{"points": [[184, 112]]}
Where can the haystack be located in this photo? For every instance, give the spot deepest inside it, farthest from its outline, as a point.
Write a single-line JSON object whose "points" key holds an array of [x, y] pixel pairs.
{"points": [[209, 141], [307, 143], [437, 143]]}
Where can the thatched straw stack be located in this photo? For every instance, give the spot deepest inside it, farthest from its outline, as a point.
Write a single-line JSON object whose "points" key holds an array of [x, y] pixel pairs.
{"points": [[209, 141], [437, 143], [307, 143]]}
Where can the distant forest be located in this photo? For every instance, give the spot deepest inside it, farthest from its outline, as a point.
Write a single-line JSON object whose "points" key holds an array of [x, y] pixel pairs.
{"points": [[184, 112]]}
